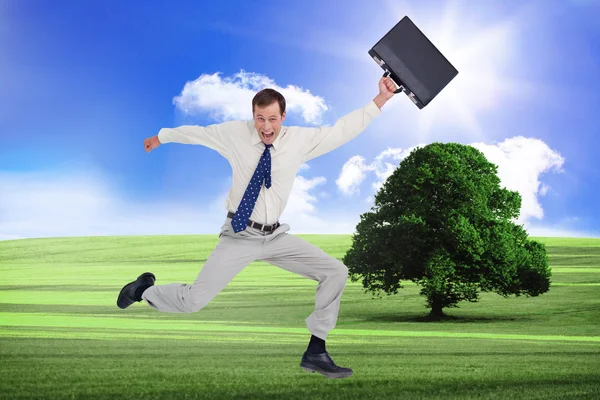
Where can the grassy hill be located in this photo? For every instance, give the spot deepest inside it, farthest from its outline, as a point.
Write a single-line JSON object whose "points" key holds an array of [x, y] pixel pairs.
{"points": [[62, 336]]}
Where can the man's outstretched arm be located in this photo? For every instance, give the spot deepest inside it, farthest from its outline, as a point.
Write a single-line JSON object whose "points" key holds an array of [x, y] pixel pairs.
{"points": [[216, 137], [324, 139]]}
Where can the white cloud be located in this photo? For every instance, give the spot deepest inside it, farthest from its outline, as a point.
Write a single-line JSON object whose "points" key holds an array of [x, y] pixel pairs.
{"points": [[230, 98], [85, 203], [521, 161], [51, 204], [383, 168], [302, 215], [301, 202], [353, 173], [354, 170]]}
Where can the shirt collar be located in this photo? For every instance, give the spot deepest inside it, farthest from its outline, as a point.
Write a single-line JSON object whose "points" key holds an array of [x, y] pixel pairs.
{"points": [[256, 140]]}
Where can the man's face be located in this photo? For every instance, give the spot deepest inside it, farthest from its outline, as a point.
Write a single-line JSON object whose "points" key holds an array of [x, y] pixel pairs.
{"points": [[267, 122]]}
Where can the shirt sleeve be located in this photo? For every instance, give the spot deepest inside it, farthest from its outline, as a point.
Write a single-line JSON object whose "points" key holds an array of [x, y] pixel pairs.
{"points": [[217, 136], [319, 141]]}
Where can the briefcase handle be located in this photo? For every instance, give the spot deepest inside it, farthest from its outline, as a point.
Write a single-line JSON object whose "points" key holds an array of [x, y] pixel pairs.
{"points": [[400, 89]]}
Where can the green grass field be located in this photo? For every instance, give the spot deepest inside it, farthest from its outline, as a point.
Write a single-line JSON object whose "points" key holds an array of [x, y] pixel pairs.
{"points": [[62, 335]]}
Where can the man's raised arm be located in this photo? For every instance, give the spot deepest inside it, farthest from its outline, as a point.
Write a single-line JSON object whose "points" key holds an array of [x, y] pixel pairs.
{"points": [[324, 139]]}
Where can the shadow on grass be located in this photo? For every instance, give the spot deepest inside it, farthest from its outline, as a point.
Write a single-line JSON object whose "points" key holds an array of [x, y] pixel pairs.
{"points": [[445, 319]]}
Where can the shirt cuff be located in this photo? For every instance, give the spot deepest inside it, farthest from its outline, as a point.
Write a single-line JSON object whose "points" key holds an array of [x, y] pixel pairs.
{"points": [[163, 136]]}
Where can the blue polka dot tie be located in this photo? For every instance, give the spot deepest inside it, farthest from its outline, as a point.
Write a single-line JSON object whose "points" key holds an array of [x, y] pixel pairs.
{"points": [[262, 173]]}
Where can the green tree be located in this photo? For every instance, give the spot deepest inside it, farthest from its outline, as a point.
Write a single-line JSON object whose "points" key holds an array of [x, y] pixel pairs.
{"points": [[443, 221]]}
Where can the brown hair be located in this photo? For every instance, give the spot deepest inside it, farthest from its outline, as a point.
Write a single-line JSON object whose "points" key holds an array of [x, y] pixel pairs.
{"points": [[266, 97]]}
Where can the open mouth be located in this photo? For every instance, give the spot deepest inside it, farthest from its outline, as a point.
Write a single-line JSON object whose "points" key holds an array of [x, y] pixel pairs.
{"points": [[268, 135]]}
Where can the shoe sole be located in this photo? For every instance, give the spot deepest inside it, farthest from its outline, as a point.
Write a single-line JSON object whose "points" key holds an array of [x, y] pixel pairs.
{"points": [[333, 375], [145, 274]]}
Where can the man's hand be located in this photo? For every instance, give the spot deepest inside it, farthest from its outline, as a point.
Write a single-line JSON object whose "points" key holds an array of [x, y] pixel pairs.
{"points": [[151, 143], [387, 87]]}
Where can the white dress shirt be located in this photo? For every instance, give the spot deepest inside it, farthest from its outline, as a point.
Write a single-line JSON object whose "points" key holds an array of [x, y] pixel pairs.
{"points": [[239, 142]]}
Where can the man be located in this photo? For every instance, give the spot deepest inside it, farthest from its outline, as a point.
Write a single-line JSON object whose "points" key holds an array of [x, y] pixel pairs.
{"points": [[265, 157]]}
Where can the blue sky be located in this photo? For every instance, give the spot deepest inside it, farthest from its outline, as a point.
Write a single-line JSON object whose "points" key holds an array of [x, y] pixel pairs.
{"points": [[84, 83]]}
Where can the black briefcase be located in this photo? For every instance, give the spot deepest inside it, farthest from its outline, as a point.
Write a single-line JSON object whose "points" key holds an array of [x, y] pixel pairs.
{"points": [[413, 62]]}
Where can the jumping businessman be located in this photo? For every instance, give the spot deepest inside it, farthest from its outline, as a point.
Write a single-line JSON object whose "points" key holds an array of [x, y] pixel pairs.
{"points": [[264, 157]]}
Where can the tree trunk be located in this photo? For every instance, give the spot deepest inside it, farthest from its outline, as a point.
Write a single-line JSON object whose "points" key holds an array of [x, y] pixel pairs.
{"points": [[436, 308]]}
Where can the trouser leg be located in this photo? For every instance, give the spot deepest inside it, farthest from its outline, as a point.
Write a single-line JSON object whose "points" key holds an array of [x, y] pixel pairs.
{"points": [[297, 255], [231, 255]]}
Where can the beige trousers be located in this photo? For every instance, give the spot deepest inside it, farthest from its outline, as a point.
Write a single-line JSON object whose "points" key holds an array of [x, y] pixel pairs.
{"points": [[235, 251]]}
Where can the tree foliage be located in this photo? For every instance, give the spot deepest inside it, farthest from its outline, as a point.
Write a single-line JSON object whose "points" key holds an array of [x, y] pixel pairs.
{"points": [[443, 221]]}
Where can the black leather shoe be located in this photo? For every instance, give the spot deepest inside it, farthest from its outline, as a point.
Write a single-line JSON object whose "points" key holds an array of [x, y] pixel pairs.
{"points": [[127, 294], [324, 365]]}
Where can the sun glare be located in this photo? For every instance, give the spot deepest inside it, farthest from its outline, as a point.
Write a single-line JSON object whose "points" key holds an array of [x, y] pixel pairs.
{"points": [[482, 54]]}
